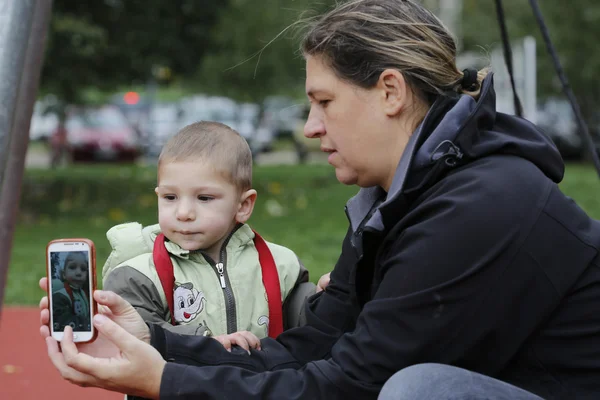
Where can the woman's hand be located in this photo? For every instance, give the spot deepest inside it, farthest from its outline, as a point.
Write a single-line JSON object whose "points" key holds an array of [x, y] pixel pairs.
{"points": [[136, 369], [110, 305], [323, 282], [246, 340], [86, 364]]}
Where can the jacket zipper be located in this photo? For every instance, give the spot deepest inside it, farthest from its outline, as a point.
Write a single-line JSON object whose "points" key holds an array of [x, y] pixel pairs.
{"points": [[220, 269]]}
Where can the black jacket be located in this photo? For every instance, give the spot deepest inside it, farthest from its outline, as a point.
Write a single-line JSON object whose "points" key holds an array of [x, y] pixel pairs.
{"points": [[474, 258]]}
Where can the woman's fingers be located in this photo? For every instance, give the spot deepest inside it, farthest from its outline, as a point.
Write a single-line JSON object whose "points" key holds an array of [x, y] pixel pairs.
{"points": [[44, 303], [104, 310], [44, 317], [83, 363], [124, 340], [57, 358], [44, 331], [113, 301], [44, 284]]}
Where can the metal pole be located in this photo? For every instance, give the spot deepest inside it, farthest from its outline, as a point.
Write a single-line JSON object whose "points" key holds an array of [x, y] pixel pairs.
{"points": [[15, 25], [28, 45]]}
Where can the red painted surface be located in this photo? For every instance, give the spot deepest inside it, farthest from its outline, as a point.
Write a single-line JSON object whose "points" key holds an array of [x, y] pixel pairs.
{"points": [[26, 372]]}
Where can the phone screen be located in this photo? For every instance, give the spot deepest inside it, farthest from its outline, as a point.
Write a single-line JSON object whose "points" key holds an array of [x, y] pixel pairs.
{"points": [[70, 288]]}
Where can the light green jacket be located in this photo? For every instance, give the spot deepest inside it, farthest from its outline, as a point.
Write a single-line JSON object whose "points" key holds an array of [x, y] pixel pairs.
{"points": [[209, 299]]}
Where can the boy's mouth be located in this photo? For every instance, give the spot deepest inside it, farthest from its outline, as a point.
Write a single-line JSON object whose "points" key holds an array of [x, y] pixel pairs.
{"points": [[187, 233]]}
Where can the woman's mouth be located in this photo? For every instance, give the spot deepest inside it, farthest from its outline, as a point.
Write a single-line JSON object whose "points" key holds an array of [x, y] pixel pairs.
{"points": [[330, 157]]}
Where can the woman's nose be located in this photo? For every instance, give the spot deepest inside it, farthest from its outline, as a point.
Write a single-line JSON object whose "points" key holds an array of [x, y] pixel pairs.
{"points": [[314, 127]]}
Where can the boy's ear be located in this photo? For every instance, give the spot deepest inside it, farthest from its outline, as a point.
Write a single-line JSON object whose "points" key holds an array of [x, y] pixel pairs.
{"points": [[246, 206], [156, 190]]}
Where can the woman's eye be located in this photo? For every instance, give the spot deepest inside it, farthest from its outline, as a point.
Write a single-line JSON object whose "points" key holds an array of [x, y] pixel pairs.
{"points": [[323, 103]]}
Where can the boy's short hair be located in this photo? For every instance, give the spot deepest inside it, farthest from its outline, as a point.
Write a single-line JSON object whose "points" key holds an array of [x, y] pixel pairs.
{"points": [[226, 150]]}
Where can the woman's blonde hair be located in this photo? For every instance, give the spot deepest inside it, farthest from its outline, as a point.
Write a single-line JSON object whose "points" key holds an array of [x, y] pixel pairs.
{"points": [[360, 39]]}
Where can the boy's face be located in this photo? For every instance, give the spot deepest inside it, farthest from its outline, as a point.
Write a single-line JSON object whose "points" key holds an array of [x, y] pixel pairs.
{"points": [[197, 207], [76, 271]]}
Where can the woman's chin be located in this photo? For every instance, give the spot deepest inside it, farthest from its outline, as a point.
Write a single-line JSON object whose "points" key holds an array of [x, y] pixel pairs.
{"points": [[346, 177]]}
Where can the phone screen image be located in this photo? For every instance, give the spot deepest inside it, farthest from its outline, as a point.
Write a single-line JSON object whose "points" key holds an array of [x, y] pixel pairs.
{"points": [[70, 287]]}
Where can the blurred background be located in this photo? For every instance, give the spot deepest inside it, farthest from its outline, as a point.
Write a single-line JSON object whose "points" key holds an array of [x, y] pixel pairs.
{"points": [[121, 76]]}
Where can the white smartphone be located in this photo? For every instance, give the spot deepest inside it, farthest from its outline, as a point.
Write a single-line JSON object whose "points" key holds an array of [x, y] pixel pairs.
{"points": [[71, 271]]}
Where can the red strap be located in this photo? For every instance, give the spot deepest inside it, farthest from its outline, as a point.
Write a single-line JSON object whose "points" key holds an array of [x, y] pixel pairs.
{"points": [[164, 268], [70, 293], [271, 282]]}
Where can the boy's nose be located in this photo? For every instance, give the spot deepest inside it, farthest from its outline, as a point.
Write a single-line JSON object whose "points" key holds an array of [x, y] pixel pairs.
{"points": [[185, 212]]}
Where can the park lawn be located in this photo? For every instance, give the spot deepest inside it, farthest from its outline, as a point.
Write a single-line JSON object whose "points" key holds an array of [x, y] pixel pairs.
{"points": [[301, 207]]}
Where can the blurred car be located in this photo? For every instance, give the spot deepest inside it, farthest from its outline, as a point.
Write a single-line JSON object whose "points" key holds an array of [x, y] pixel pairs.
{"points": [[557, 119], [280, 119], [164, 121], [100, 134]]}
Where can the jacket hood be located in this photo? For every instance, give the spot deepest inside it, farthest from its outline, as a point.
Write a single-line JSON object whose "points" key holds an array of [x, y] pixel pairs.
{"points": [[458, 130], [479, 130]]}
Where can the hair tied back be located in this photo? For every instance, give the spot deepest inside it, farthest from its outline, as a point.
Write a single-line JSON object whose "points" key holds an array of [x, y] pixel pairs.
{"points": [[469, 80]]}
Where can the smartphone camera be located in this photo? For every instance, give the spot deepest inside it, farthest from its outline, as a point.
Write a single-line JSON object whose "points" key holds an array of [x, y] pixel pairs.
{"points": [[71, 282]]}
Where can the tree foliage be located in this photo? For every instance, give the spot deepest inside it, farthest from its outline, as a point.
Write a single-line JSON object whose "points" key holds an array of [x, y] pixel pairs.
{"points": [[255, 51], [104, 43]]}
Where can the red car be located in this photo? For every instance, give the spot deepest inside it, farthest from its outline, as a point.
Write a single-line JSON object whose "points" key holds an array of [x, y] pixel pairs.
{"points": [[100, 134]]}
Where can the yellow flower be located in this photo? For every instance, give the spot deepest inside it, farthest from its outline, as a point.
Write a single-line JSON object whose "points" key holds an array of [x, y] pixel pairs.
{"points": [[274, 188], [301, 202]]}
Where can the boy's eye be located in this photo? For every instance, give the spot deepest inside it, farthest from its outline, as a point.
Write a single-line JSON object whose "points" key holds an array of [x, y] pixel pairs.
{"points": [[169, 197], [204, 198]]}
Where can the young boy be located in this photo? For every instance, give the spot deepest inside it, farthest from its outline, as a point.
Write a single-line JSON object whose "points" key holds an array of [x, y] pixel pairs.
{"points": [[205, 197], [71, 305]]}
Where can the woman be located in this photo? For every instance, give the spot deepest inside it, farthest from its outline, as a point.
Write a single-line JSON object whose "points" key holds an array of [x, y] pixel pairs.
{"points": [[463, 261]]}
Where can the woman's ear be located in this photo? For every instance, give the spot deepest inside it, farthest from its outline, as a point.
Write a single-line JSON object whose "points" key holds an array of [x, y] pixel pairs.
{"points": [[246, 206], [394, 91]]}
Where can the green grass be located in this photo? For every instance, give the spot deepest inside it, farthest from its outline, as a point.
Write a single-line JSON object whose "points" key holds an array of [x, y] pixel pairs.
{"points": [[298, 206]]}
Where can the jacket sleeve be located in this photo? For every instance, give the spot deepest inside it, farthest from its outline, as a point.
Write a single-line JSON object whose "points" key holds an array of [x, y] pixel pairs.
{"points": [[439, 301], [293, 306], [328, 314], [143, 295]]}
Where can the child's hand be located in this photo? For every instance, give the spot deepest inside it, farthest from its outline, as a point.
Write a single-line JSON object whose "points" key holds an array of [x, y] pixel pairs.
{"points": [[244, 339]]}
